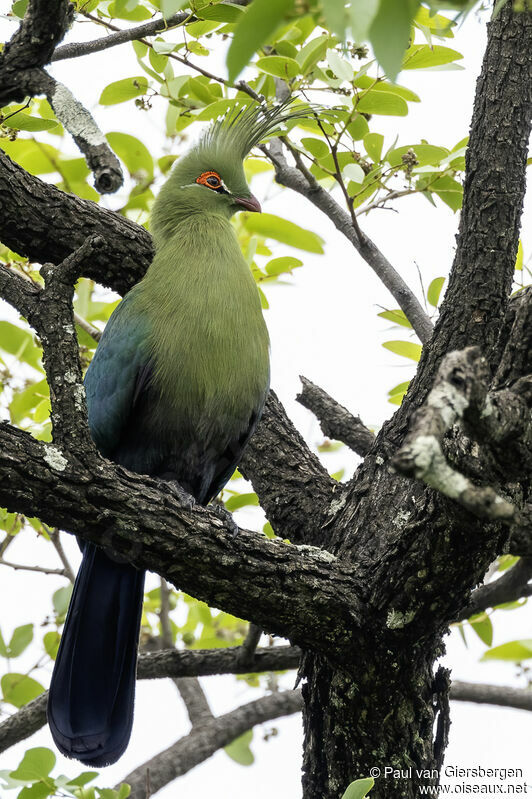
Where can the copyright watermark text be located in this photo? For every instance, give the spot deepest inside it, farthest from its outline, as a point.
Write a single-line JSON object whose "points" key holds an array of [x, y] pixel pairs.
{"points": [[460, 781]]}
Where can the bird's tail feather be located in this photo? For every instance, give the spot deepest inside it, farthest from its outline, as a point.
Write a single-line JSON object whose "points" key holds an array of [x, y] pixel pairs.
{"points": [[90, 704]]}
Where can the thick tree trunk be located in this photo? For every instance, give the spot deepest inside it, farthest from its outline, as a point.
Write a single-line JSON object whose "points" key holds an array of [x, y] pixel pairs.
{"points": [[385, 713]]}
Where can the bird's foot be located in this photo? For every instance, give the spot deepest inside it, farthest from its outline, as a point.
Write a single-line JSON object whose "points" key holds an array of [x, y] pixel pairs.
{"points": [[183, 497], [225, 516]]}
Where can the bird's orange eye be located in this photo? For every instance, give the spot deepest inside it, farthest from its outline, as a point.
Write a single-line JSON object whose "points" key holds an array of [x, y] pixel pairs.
{"points": [[210, 179]]}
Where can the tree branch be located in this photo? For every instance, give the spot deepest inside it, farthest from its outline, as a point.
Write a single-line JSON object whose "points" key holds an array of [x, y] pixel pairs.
{"points": [[144, 520], [511, 586], [477, 297], [335, 420], [45, 224], [460, 387], [519, 698], [298, 501], [204, 741], [304, 183], [77, 49], [189, 688], [33, 44], [170, 663]]}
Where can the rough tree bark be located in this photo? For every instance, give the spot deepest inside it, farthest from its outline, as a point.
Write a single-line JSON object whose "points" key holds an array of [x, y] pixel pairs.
{"points": [[378, 568]]}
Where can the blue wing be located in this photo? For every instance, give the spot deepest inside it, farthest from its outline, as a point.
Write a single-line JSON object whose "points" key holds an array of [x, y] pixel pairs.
{"points": [[117, 375]]}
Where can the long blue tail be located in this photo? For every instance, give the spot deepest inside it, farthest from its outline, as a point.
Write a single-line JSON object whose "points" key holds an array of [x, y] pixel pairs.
{"points": [[90, 705]]}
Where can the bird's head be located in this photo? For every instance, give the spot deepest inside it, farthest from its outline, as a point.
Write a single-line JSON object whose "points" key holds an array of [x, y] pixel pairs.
{"points": [[210, 178]]}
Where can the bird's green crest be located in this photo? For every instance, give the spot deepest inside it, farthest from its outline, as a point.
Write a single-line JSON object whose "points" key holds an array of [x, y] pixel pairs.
{"points": [[242, 127]]}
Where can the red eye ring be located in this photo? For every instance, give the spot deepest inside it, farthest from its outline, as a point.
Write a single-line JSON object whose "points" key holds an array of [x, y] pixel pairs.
{"points": [[210, 179]]}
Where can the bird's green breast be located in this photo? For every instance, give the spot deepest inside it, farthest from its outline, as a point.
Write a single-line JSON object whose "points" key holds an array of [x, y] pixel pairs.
{"points": [[208, 340]]}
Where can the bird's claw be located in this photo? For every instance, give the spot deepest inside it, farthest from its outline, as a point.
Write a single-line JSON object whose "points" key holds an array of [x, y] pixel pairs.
{"points": [[184, 498], [225, 516]]}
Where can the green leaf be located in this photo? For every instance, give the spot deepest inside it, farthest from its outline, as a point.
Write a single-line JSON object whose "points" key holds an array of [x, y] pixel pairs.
{"points": [[434, 290], [358, 128], [408, 349], [132, 152], [257, 24], [436, 23], [19, 689], [359, 788], [373, 143], [120, 9], [354, 172], [396, 316], [316, 147], [279, 66], [83, 778], [51, 643], [382, 103], [421, 56], [282, 230], [21, 638], [483, 627], [19, 8], [226, 12], [448, 190], [21, 121], [37, 159], [197, 48], [239, 751], [312, 53], [514, 651], [519, 257], [122, 90], [39, 790], [361, 16], [390, 33], [21, 344], [170, 7], [36, 765], [280, 266], [241, 501], [426, 154], [24, 401], [61, 599], [3, 647], [396, 394], [341, 68], [365, 82]]}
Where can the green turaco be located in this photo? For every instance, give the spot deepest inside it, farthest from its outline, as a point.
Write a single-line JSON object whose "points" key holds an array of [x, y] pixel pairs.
{"points": [[175, 390]]}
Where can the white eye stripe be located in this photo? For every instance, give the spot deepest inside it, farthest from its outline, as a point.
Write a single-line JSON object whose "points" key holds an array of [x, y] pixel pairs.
{"points": [[221, 186]]}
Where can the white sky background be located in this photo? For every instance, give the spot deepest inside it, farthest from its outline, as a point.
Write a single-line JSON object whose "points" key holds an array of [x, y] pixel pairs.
{"points": [[323, 326]]}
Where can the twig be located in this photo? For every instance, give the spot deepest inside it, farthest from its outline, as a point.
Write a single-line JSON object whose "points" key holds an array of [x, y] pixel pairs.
{"points": [[250, 644], [519, 698], [82, 126], [87, 327], [55, 538], [511, 586], [302, 181], [335, 420], [41, 569], [189, 688]]}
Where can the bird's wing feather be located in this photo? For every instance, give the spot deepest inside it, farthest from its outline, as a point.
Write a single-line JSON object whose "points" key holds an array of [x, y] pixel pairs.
{"points": [[116, 376]]}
